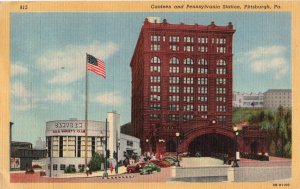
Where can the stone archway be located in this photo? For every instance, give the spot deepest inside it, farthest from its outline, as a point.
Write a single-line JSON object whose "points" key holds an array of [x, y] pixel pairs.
{"points": [[209, 144]]}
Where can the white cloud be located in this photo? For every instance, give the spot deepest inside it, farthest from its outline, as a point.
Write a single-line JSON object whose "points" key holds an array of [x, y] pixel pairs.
{"points": [[17, 69], [67, 64], [18, 89], [59, 96], [110, 98], [269, 59]]}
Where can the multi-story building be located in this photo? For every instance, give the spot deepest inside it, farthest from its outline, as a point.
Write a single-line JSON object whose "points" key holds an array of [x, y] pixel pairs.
{"points": [[182, 82], [248, 100], [273, 98]]}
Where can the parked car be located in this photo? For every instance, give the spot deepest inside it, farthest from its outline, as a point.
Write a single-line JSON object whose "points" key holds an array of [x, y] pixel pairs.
{"points": [[160, 163], [149, 168], [135, 168]]}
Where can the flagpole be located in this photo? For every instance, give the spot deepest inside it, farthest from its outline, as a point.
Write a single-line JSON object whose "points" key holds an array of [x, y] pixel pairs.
{"points": [[86, 111]]}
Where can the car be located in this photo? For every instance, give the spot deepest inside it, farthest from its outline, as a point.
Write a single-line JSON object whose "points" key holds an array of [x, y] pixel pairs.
{"points": [[149, 168], [160, 163], [135, 167]]}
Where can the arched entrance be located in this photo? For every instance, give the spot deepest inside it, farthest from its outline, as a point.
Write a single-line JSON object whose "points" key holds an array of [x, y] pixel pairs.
{"points": [[170, 146], [208, 144]]}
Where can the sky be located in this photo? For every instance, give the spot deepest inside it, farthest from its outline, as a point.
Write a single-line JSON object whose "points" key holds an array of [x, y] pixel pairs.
{"points": [[48, 61]]}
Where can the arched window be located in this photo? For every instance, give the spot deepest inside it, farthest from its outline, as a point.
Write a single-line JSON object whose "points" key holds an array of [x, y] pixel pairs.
{"points": [[174, 60], [202, 61], [188, 61], [221, 62], [155, 60]]}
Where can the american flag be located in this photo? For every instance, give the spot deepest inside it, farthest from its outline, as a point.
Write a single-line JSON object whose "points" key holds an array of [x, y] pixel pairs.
{"points": [[95, 65]]}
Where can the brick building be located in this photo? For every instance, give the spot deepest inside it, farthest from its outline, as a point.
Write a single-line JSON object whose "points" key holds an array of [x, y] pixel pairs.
{"points": [[182, 82]]}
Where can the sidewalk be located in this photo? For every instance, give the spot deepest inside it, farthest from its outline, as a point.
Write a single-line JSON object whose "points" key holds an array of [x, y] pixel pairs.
{"points": [[121, 170]]}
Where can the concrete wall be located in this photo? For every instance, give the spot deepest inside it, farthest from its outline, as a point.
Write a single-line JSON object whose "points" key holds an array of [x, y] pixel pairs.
{"points": [[182, 172], [257, 174]]}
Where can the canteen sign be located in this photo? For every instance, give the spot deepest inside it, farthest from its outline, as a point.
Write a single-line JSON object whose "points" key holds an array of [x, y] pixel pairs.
{"points": [[65, 128]]}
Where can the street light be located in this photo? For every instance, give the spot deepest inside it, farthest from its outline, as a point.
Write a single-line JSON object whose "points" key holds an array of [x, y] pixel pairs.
{"points": [[177, 143], [236, 133]]}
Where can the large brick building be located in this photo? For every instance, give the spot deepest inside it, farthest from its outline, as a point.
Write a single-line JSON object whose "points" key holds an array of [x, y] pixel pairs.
{"points": [[182, 82]]}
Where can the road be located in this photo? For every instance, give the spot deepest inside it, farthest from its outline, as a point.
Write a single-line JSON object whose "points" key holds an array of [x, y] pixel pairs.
{"points": [[162, 176]]}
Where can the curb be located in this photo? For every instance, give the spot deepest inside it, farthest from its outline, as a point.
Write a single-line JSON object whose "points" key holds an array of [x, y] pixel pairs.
{"points": [[118, 177]]}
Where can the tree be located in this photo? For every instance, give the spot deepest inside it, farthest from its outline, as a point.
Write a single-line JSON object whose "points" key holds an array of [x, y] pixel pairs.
{"points": [[95, 162]]}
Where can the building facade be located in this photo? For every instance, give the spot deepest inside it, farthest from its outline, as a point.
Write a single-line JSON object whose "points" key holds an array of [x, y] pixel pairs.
{"points": [[273, 98], [65, 140], [22, 155], [182, 82], [248, 100]]}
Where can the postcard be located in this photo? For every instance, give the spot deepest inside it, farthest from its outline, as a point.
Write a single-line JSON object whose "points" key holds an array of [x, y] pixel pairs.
{"points": [[149, 94]]}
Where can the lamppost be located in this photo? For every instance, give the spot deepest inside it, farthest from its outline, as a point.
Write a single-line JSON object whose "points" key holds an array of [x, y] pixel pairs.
{"points": [[177, 152], [10, 139], [117, 155], [148, 148], [236, 133]]}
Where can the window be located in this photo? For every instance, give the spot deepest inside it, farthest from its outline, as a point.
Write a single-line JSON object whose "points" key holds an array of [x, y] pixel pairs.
{"points": [[173, 79], [202, 90], [221, 108], [80, 166], [202, 70], [174, 38], [155, 68], [220, 90], [188, 61], [129, 143], [188, 90], [174, 47], [188, 39], [62, 166], [174, 117], [155, 106], [61, 144], [155, 60], [202, 81], [221, 118], [155, 79], [221, 71], [202, 48], [155, 88], [221, 49], [174, 60], [155, 115], [188, 80], [221, 81], [202, 39], [155, 38], [221, 62], [188, 107], [221, 40], [155, 47], [221, 99], [188, 70], [204, 116], [174, 69], [188, 48], [173, 89], [55, 167], [187, 117], [202, 61], [188, 98], [79, 146], [174, 98], [202, 108], [202, 98], [174, 107], [155, 97]]}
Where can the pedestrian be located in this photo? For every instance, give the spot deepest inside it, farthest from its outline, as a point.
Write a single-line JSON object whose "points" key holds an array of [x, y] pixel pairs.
{"points": [[111, 168], [87, 171]]}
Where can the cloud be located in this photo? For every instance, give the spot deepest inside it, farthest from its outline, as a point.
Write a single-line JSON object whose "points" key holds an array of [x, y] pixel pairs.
{"points": [[268, 59], [67, 64], [18, 89], [59, 96], [17, 69], [110, 98]]}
